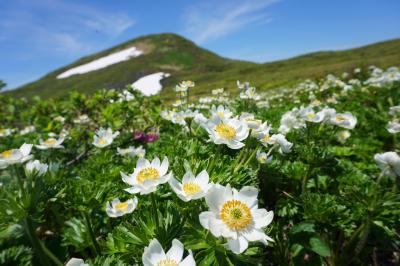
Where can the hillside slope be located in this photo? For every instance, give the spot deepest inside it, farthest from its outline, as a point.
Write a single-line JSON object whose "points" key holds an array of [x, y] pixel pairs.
{"points": [[184, 60]]}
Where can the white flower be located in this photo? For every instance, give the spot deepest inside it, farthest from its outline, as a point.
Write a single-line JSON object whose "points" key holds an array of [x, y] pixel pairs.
{"points": [[343, 135], [291, 120], [394, 126], [50, 143], [327, 113], [82, 119], [59, 119], [284, 145], [76, 262], [167, 114], [250, 93], [394, 110], [104, 137], [27, 130], [261, 131], [235, 215], [116, 208], [187, 84], [36, 167], [250, 120], [262, 157], [191, 187], [132, 151], [389, 163], [345, 120], [15, 156], [5, 132], [147, 176], [244, 85], [309, 115], [220, 112], [229, 131], [217, 91], [154, 255]]}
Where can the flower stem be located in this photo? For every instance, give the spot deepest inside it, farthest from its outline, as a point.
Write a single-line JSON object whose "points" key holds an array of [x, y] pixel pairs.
{"points": [[91, 233], [155, 209]]}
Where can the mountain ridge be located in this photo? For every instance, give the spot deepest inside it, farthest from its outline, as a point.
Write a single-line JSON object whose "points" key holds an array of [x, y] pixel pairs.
{"points": [[183, 59]]}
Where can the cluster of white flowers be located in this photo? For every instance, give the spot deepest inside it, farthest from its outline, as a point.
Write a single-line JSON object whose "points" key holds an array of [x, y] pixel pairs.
{"points": [[389, 163], [5, 132], [394, 125], [380, 78], [248, 92], [297, 118]]}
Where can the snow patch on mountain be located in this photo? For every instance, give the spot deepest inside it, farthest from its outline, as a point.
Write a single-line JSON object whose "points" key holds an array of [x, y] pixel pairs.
{"points": [[150, 84], [102, 62]]}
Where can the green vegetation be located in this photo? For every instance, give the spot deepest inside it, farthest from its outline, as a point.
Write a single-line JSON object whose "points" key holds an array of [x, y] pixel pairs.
{"points": [[186, 61], [323, 156], [2, 84]]}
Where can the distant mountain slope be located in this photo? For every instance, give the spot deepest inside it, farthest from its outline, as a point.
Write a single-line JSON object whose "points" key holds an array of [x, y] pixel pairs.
{"points": [[184, 60]]}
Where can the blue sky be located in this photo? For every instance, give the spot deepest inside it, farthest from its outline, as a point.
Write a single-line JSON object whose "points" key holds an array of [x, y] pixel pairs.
{"points": [[38, 36]]}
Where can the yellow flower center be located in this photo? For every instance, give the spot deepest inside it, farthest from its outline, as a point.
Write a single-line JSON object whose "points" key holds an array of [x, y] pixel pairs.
{"points": [[147, 174], [167, 262], [50, 141], [191, 188], [6, 154], [122, 206], [310, 115], [221, 114], [102, 141], [266, 138], [225, 131], [340, 118], [2, 131], [235, 214]]}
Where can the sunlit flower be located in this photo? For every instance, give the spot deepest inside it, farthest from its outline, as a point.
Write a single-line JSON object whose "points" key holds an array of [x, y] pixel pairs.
{"points": [[5, 132], [220, 112], [389, 163], [345, 120], [250, 93], [235, 215], [284, 145], [132, 151], [59, 119], [76, 262], [227, 131], [50, 143], [82, 119], [310, 115], [27, 130], [217, 91], [187, 84], [191, 187], [104, 137], [167, 114], [394, 126], [37, 167], [15, 156], [154, 255], [116, 208], [147, 176], [343, 135], [291, 120], [262, 157], [394, 110], [250, 120]]}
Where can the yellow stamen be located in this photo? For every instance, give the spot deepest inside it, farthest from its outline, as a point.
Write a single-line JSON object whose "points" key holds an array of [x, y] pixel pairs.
{"points": [[340, 118], [191, 188], [167, 262], [221, 114], [50, 141], [6, 154], [235, 214], [122, 206], [266, 138], [147, 174], [310, 115], [102, 141], [225, 131]]}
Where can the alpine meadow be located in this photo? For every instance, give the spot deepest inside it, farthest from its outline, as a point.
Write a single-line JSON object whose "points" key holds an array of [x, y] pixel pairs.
{"points": [[159, 152]]}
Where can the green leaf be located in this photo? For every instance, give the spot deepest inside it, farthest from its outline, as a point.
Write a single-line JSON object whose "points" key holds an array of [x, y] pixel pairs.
{"points": [[319, 246]]}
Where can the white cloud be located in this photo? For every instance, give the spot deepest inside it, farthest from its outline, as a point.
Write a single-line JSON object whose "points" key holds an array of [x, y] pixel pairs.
{"points": [[211, 21], [60, 26]]}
